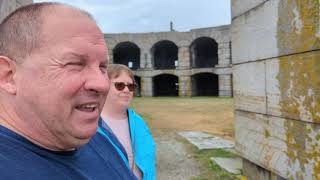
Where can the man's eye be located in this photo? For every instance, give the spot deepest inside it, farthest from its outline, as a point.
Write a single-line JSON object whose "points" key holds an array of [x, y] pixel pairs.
{"points": [[75, 64], [103, 68]]}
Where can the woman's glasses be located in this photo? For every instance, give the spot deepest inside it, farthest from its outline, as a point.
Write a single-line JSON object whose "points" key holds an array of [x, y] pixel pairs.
{"points": [[121, 85]]}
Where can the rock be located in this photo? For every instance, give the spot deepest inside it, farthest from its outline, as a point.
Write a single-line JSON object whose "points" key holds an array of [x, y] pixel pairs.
{"points": [[206, 141], [232, 165]]}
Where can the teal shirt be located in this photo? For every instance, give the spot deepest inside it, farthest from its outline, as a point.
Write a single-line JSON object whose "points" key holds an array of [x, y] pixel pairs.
{"points": [[143, 145]]}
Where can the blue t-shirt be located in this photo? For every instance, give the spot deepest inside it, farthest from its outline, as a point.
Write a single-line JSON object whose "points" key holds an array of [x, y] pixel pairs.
{"points": [[97, 160]]}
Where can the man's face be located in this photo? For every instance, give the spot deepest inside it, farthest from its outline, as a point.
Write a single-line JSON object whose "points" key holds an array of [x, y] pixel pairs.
{"points": [[61, 88]]}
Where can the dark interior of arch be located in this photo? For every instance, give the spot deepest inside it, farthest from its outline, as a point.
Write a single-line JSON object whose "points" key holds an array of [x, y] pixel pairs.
{"points": [[205, 84], [204, 53], [137, 91], [165, 85], [165, 53], [125, 52]]}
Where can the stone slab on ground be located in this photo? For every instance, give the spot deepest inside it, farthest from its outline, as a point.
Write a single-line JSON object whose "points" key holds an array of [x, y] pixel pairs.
{"points": [[232, 165], [232, 150], [206, 141]]}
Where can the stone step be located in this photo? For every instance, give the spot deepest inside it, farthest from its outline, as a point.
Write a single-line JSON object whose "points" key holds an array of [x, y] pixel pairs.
{"points": [[232, 165], [206, 141]]}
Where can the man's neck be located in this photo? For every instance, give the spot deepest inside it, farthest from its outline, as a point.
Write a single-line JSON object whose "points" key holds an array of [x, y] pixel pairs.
{"points": [[13, 127]]}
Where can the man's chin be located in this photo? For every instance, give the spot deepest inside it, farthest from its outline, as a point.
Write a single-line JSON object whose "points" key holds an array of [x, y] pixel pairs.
{"points": [[82, 138], [86, 136], [85, 130], [76, 143]]}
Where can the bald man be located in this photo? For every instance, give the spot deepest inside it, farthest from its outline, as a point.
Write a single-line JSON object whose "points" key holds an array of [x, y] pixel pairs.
{"points": [[53, 86]]}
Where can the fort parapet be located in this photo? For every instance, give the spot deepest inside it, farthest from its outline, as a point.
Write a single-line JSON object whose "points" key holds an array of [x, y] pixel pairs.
{"points": [[193, 63]]}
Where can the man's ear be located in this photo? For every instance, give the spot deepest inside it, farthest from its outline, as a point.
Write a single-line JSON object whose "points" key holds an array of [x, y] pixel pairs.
{"points": [[7, 71]]}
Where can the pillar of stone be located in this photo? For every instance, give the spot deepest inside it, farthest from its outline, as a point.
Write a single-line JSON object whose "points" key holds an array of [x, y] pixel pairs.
{"points": [[275, 54], [145, 60], [110, 57], [225, 88], [224, 54], [146, 86], [184, 57], [185, 86]]}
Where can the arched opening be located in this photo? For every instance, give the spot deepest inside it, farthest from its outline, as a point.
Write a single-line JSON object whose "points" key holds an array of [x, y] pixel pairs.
{"points": [[164, 54], [165, 85], [127, 53], [204, 53], [205, 84], [137, 91]]}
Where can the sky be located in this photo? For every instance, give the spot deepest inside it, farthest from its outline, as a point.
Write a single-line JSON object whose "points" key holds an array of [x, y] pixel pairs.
{"points": [[132, 16]]}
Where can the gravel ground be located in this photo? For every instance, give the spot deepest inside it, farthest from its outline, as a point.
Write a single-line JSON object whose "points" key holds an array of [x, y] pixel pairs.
{"points": [[173, 160]]}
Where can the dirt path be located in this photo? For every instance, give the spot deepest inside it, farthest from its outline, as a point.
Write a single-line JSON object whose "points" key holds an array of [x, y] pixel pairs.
{"points": [[173, 160]]}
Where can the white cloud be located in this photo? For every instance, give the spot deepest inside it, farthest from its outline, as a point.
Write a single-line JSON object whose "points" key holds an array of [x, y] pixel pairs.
{"points": [[115, 16]]}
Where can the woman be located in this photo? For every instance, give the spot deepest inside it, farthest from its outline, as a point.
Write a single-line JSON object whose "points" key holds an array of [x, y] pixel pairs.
{"points": [[124, 128]]}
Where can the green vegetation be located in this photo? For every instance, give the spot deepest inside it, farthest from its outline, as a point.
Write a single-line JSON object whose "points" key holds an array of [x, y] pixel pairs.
{"points": [[209, 169]]}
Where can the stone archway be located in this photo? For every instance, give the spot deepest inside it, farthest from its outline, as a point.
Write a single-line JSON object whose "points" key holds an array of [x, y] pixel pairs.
{"points": [[165, 85], [205, 84], [204, 53], [164, 54], [127, 53]]}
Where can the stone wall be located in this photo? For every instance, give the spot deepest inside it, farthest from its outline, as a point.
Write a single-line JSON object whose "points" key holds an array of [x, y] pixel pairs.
{"points": [[184, 71], [276, 73], [7, 6]]}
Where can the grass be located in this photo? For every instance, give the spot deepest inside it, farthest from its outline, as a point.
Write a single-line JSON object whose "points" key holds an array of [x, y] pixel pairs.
{"points": [[209, 169], [208, 114], [213, 115]]}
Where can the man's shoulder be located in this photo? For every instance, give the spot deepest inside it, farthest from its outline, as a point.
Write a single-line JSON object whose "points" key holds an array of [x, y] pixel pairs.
{"points": [[9, 141], [20, 159]]}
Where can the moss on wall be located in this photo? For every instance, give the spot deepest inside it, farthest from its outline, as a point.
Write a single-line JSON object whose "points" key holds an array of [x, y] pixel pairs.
{"points": [[299, 83]]}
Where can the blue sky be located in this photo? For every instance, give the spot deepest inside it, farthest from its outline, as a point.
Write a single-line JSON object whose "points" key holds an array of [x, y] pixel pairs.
{"points": [[116, 16]]}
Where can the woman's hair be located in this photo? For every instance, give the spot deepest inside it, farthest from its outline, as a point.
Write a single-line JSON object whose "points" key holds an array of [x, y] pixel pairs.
{"points": [[114, 71]]}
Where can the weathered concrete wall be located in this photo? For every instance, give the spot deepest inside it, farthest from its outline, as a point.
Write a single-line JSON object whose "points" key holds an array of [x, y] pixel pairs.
{"points": [[183, 40], [7, 6], [240, 7], [276, 72], [225, 85], [146, 85]]}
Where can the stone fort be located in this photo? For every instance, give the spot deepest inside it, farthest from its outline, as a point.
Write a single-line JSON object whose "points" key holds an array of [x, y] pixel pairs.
{"points": [[194, 63], [274, 68]]}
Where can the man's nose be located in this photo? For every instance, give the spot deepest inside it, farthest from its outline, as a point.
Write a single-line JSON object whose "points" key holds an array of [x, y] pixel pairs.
{"points": [[97, 81]]}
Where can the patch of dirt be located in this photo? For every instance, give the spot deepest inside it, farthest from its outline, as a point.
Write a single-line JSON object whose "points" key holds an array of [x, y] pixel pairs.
{"points": [[173, 160]]}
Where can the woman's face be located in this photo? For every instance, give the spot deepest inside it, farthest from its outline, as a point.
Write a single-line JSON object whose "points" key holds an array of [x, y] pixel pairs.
{"points": [[121, 90]]}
